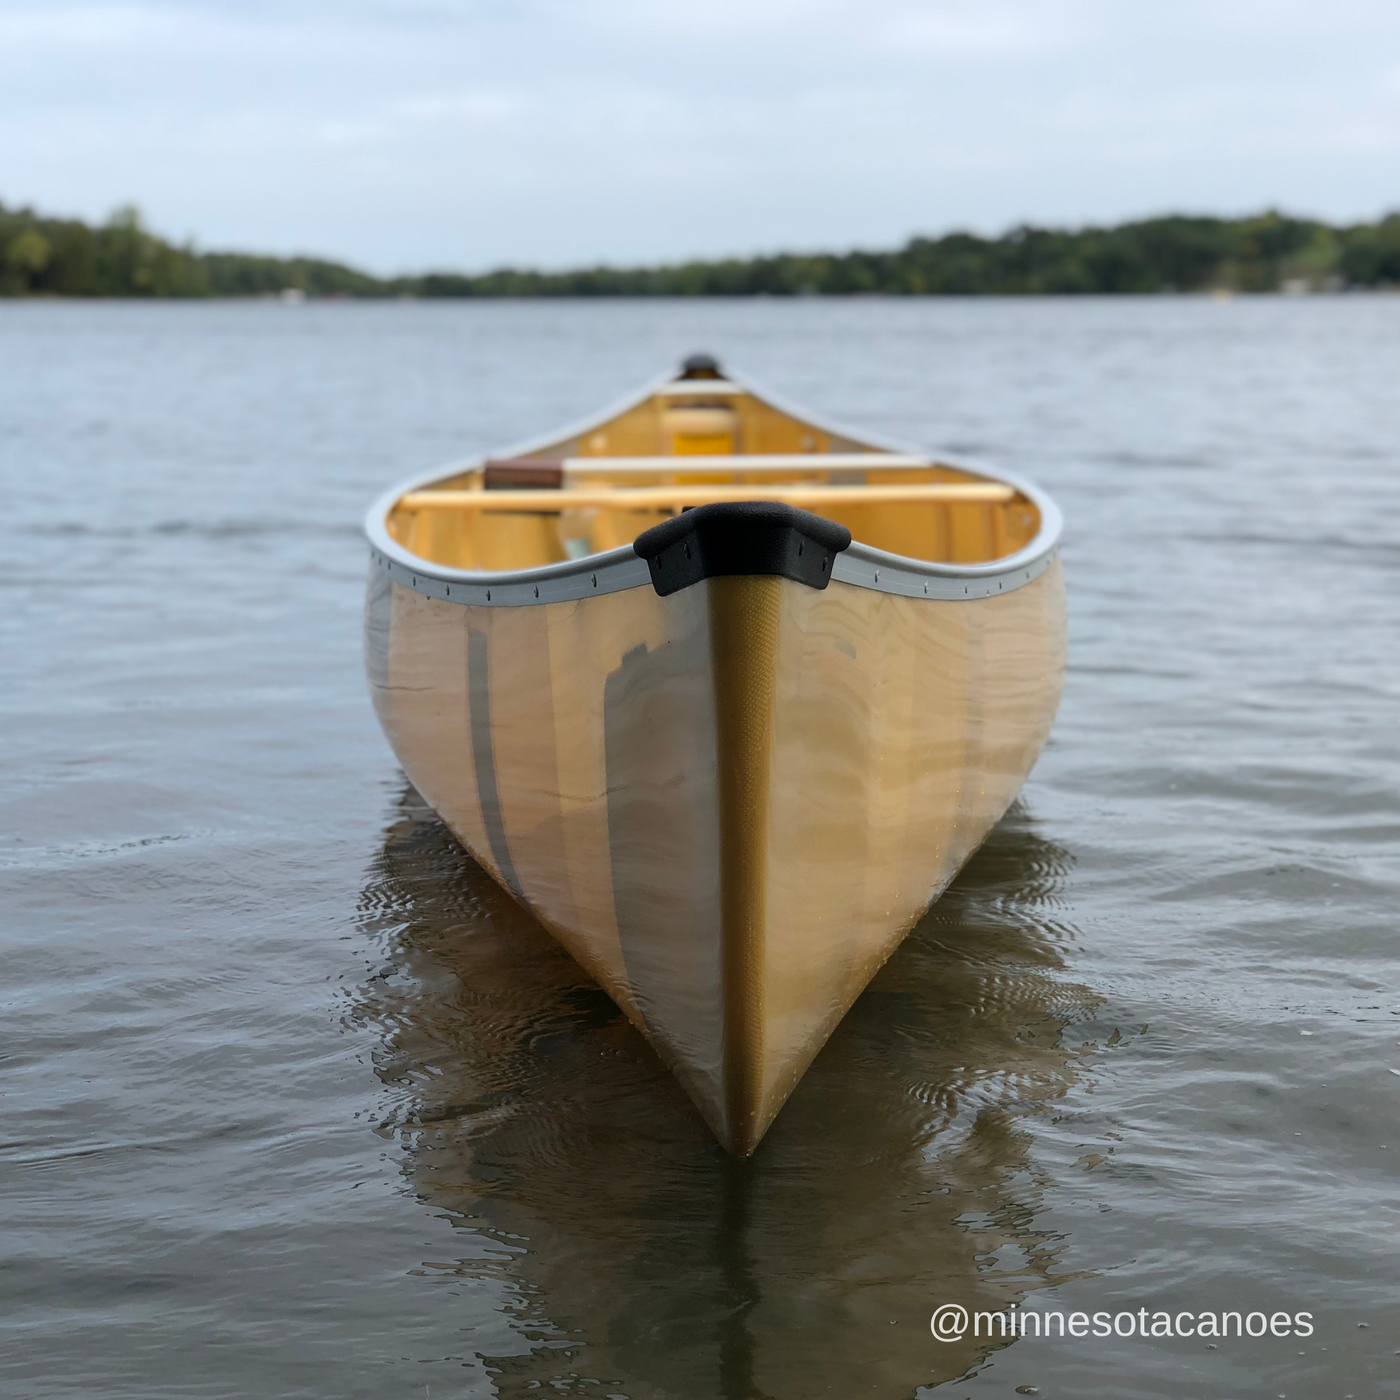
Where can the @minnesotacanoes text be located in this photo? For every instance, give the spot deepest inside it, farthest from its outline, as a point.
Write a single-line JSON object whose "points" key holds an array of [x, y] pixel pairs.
{"points": [[951, 1322]]}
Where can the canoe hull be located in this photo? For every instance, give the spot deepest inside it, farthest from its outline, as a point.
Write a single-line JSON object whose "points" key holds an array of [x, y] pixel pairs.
{"points": [[729, 804]]}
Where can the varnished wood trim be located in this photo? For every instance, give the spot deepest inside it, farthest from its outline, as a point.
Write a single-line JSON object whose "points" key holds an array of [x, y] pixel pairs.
{"points": [[666, 497]]}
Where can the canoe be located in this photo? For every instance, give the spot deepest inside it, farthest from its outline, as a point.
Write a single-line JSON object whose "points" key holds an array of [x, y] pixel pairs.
{"points": [[725, 696]]}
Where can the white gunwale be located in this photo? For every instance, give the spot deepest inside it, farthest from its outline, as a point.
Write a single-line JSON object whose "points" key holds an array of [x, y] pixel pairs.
{"points": [[613, 570]]}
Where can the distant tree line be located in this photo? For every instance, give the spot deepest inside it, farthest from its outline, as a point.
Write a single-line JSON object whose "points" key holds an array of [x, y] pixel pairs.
{"points": [[42, 256]]}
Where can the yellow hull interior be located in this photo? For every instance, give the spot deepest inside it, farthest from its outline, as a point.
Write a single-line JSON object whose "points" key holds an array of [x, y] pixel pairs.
{"points": [[713, 439]]}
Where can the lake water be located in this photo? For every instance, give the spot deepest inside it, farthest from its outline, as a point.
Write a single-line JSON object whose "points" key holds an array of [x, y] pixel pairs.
{"points": [[297, 1103]]}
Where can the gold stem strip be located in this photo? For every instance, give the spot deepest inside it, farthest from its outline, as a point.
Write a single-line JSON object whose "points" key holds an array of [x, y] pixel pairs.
{"points": [[743, 638]]}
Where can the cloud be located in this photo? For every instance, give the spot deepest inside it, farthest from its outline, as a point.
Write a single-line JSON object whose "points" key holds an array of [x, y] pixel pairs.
{"points": [[479, 132]]}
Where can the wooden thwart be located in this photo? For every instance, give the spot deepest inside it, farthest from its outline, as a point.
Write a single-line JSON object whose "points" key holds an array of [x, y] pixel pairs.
{"points": [[665, 497], [745, 462]]}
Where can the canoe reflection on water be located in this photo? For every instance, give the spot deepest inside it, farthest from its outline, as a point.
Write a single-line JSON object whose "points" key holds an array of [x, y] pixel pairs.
{"points": [[641, 1259]]}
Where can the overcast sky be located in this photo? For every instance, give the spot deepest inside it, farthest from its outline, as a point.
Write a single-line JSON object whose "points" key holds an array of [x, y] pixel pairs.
{"points": [[405, 134]]}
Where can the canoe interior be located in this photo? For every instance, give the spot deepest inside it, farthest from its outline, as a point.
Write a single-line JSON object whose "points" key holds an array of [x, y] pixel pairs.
{"points": [[701, 433]]}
